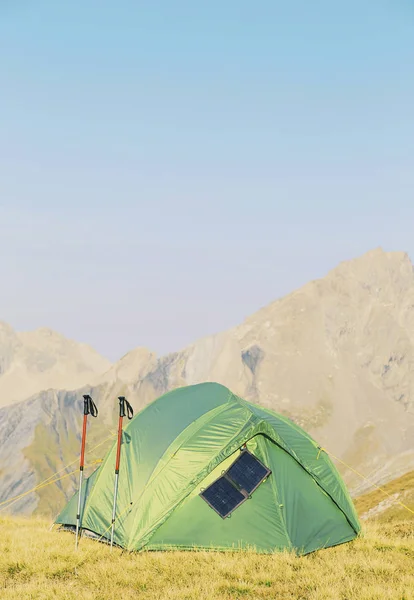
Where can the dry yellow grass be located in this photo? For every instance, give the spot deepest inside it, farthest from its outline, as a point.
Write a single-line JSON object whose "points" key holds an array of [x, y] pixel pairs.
{"points": [[38, 564]]}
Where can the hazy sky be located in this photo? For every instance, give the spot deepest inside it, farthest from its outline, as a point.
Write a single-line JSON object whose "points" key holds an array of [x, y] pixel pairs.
{"points": [[169, 167]]}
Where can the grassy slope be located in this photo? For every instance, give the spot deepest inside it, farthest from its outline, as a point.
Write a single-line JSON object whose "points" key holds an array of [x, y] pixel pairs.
{"points": [[38, 564], [52, 449], [400, 490]]}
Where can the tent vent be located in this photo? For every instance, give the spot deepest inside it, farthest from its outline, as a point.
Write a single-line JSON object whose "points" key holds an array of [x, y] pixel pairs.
{"points": [[236, 484]]}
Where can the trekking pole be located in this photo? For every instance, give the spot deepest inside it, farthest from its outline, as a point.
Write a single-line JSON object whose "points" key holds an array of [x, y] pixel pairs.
{"points": [[89, 408], [125, 410]]}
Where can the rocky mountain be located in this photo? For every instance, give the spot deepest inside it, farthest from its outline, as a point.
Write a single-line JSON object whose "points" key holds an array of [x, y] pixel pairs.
{"points": [[336, 356], [37, 360]]}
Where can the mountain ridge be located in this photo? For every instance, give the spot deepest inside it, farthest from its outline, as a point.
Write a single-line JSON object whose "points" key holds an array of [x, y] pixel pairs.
{"points": [[32, 361], [336, 356]]}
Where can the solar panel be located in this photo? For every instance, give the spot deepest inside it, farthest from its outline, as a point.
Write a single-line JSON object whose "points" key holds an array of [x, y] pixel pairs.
{"points": [[248, 472], [234, 487], [223, 496]]}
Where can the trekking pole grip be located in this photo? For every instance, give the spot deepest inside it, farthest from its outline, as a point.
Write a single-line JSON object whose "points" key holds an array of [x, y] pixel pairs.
{"points": [[125, 409], [89, 406]]}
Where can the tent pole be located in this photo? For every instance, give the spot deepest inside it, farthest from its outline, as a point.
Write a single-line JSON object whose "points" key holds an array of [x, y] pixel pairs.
{"points": [[125, 409], [89, 408]]}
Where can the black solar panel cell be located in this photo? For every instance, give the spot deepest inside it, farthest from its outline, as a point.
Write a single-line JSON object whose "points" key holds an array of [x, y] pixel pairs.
{"points": [[236, 485], [247, 472], [223, 496]]}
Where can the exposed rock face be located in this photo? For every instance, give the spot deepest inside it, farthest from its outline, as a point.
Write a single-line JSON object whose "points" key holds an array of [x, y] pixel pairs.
{"points": [[336, 356], [43, 359]]}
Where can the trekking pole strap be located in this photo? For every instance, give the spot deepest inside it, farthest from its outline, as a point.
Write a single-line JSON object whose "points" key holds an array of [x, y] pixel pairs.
{"points": [[125, 409], [89, 406]]}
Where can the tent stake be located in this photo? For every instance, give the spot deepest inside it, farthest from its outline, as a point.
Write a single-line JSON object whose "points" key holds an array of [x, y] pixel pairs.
{"points": [[125, 409], [89, 408]]}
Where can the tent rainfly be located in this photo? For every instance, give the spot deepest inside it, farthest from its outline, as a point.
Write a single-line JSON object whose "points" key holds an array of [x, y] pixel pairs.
{"points": [[203, 468]]}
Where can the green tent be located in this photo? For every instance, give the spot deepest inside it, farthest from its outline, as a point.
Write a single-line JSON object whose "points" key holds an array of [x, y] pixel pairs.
{"points": [[203, 468]]}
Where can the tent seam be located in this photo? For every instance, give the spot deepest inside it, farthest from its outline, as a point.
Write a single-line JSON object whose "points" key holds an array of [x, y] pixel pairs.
{"points": [[273, 484]]}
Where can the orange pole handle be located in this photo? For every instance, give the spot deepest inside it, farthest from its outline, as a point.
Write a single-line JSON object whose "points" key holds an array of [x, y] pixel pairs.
{"points": [[118, 450], [82, 457]]}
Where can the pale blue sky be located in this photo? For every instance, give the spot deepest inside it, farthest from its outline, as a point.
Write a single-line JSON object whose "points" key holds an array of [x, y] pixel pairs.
{"points": [[167, 168]]}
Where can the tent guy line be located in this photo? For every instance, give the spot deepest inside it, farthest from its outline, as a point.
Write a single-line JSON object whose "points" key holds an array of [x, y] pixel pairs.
{"points": [[49, 480], [381, 489]]}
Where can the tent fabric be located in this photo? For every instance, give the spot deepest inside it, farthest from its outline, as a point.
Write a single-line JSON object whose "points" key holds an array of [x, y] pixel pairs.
{"points": [[179, 444]]}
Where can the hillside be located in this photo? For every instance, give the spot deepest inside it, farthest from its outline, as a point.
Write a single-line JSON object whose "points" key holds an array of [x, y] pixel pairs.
{"points": [[335, 356], [39, 360], [385, 504], [38, 563]]}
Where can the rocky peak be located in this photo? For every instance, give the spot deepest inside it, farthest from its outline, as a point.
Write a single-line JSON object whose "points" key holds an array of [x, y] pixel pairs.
{"points": [[37, 360]]}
